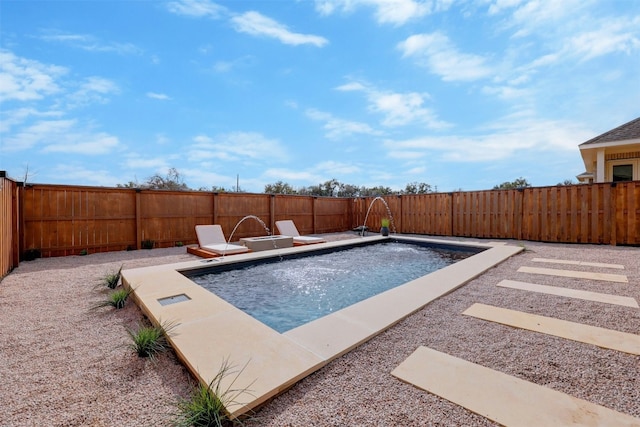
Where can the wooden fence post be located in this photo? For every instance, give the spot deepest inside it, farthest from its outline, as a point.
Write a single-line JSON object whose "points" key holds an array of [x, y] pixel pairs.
{"points": [[214, 201], [451, 214], [21, 221], [313, 208], [400, 216], [614, 214], [272, 213], [518, 215], [138, 220], [15, 226]]}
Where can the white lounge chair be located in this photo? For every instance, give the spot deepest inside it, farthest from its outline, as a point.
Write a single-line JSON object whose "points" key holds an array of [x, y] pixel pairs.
{"points": [[288, 228], [211, 238]]}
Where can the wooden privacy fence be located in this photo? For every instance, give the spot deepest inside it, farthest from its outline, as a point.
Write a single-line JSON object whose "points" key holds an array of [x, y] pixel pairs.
{"points": [[9, 250], [68, 220], [607, 213], [59, 220]]}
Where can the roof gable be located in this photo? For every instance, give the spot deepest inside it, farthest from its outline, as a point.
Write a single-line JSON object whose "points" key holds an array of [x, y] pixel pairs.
{"points": [[630, 130]]}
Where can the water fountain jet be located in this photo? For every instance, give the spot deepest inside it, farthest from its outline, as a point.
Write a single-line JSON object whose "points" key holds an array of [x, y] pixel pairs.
{"points": [[364, 225], [275, 246]]}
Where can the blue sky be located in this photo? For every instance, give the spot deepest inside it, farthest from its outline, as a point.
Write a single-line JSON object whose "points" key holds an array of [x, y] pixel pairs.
{"points": [[458, 94]]}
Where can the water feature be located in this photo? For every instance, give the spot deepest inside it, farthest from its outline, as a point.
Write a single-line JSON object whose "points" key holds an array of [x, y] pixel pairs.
{"points": [[296, 290], [364, 225], [275, 246]]}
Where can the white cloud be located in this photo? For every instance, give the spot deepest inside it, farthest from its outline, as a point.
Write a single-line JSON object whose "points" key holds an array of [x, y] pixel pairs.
{"points": [[499, 5], [251, 22], [23, 79], [420, 170], [99, 85], [87, 176], [61, 136], [506, 92], [89, 43], [395, 12], [159, 96], [18, 116], [403, 108], [196, 8], [207, 179], [612, 35], [48, 130], [438, 54], [162, 139], [405, 154], [237, 146], [503, 139], [257, 24], [87, 144], [313, 174], [38, 133], [338, 128], [291, 175], [333, 168], [92, 90], [529, 17], [577, 40], [222, 66], [352, 86], [398, 109], [136, 161], [228, 66]]}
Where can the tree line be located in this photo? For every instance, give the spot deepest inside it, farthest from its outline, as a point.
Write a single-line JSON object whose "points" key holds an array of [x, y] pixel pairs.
{"points": [[335, 188], [174, 181]]}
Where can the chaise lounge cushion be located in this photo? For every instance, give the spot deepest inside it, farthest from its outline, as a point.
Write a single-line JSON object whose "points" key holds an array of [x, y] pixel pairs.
{"points": [[211, 238], [288, 228]]}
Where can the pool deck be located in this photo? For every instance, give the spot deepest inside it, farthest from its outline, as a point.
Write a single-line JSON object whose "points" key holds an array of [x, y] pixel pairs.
{"points": [[209, 331]]}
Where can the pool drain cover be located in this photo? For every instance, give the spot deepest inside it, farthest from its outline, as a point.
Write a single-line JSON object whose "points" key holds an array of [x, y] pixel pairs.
{"points": [[173, 299]]}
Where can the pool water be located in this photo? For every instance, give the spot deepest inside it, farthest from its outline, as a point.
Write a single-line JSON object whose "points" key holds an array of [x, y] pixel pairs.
{"points": [[292, 292]]}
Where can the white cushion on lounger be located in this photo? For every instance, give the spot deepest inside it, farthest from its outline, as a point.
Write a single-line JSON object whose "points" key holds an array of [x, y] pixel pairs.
{"points": [[288, 228], [211, 238], [225, 248]]}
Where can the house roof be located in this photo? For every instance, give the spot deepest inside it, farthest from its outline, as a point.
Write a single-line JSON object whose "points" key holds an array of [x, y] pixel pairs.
{"points": [[630, 130]]}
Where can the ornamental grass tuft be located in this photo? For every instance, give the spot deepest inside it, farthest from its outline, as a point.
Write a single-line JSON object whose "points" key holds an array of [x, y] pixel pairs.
{"points": [[117, 299], [112, 280], [206, 407], [148, 341]]}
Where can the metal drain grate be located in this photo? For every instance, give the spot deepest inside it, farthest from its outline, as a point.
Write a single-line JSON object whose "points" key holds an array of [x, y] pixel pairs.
{"points": [[173, 299]]}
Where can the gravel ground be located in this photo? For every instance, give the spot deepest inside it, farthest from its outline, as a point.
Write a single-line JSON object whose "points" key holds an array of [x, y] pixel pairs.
{"points": [[63, 363]]}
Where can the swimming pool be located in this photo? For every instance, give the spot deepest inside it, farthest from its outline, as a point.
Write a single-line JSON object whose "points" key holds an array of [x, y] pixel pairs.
{"points": [[290, 292], [209, 330]]}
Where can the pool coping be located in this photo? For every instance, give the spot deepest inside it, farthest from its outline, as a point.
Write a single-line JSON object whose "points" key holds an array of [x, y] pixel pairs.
{"points": [[209, 332]]}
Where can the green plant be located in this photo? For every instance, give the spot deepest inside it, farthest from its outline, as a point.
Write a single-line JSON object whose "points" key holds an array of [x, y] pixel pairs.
{"points": [[117, 299], [147, 244], [385, 222], [208, 402], [84, 252], [179, 244], [150, 340], [112, 280]]}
